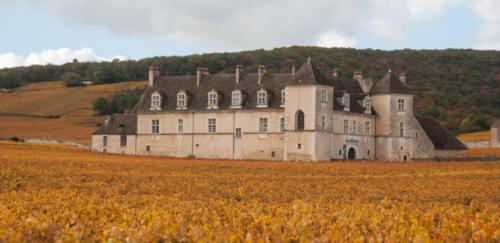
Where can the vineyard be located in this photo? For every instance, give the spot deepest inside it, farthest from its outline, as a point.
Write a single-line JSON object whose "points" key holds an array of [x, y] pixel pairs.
{"points": [[56, 193]]}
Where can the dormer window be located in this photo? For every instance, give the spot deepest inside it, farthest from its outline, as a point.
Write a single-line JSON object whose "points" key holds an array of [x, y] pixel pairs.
{"points": [[283, 98], [262, 98], [324, 96], [182, 100], [367, 105], [346, 102], [155, 101], [236, 99], [213, 100]]}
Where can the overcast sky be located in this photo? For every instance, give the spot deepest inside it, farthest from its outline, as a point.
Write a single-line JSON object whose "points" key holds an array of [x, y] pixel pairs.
{"points": [[56, 31]]}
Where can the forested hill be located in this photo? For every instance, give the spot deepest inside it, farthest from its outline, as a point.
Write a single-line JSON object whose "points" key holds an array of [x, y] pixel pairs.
{"points": [[461, 88]]}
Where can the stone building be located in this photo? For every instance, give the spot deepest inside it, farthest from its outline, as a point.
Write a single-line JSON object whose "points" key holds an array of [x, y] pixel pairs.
{"points": [[307, 115], [495, 134]]}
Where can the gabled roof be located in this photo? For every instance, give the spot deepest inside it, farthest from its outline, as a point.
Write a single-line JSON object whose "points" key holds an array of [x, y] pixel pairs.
{"points": [[308, 74], [390, 83], [440, 137], [119, 124], [496, 124]]}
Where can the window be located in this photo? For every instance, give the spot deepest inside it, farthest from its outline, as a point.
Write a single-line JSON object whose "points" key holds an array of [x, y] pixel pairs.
{"points": [[401, 129], [367, 128], [155, 101], [354, 128], [401, 104], [148, 148], [323, 123], [180, 126], [299, 120], [346, 102], [283, 97], [367, 106], [155, 126], [324, 96], [261, 98], [123, 140], [104, 141], [299, 146], [282, 124], [236, 99], [346, 126], [262, 125], [237, 132], [181, 100], [212, 125], [212, 100]]}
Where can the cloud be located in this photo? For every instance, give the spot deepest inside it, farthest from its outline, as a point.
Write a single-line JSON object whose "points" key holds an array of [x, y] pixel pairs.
{"points": [[335, 39], [488, 33], [52, 56], [429, 8]]}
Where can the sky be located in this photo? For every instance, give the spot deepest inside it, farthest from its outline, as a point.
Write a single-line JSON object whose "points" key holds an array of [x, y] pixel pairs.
{"points": [[57, 31]]}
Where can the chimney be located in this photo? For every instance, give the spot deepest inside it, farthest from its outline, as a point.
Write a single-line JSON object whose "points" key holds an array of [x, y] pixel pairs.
{"points": [[293, 70], [239, 72], [200, 72], [402, 78], [358, 76], [107, 120], [335, 73], [154, 73], [262, 70]]}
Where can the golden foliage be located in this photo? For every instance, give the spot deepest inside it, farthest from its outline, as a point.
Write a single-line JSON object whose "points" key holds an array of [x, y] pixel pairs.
{"points": [[52, 98], [56, 193], [475, 136], [483, 152]]}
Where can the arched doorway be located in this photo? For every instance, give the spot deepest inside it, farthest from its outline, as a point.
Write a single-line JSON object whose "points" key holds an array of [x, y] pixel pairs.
{"points": [[351, 153]]}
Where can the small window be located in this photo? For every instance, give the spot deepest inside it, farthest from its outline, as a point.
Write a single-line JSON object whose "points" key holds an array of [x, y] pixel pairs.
{"points": [[237, 132], [282, 124], [323, 123], [401, 104], [367, 128], [324, 96], [368, 152], [148, 148], [299, 120], [212, 125], [155, 126], [354, 127], [155, 101], [180, 126], [367, 106], [123, 140], [283, 97], [262, 125], [104, 141], [346, 102], [262, 98], [273, 154], [181, 100], [346, 126], [299, 146], [212, 100], [401, 129], [236, 99], [340, 152]]}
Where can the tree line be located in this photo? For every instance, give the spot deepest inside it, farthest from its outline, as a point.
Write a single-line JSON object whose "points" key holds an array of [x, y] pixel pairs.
{"points": [[460, 88]]}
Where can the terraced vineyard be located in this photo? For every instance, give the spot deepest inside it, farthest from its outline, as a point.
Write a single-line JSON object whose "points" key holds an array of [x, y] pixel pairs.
{"points": [[55, 193]]}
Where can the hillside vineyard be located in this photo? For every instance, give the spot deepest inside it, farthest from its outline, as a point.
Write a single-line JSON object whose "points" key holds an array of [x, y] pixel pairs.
{"points": [[306, 115]]}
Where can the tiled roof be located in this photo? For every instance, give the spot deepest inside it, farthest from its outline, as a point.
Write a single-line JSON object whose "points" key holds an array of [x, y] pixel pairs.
{"points": [[310, 73], [440, 137], [119, 124], [390, 83]]}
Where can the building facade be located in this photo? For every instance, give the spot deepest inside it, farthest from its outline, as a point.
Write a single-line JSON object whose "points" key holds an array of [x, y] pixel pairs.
{"points": [[495, 134], [307, 115]]}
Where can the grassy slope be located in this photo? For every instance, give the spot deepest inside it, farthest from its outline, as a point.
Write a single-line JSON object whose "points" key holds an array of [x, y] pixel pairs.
{"points": [[475, 136], [77, 120]]}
